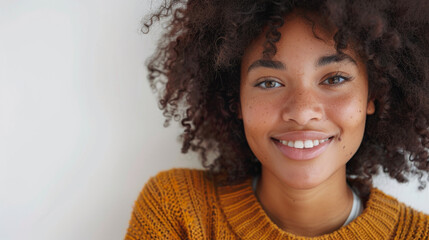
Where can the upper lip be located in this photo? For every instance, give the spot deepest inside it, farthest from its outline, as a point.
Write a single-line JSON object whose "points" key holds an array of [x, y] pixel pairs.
{"points": [[302, 135]]}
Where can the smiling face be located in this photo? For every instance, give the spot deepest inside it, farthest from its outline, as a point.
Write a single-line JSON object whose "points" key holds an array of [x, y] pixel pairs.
{"points": [[304, 110]]}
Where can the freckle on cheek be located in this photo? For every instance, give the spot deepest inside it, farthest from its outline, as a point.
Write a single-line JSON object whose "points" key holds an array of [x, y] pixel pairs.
{"points": [[339, 139]]}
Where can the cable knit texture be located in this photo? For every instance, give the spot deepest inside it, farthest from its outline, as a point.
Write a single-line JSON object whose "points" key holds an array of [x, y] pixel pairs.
{"points": [[185, 204]]}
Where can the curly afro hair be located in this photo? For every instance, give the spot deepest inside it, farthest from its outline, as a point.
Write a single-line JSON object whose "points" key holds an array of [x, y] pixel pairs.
{"points": [[196, 72]]}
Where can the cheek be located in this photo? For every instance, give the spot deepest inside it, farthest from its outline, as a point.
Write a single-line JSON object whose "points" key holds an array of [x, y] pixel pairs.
{"points": [[349, 114], [256, 112], [259, 116], [348, 111]]}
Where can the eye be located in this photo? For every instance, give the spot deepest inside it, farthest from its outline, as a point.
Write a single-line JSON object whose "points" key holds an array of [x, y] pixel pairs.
{"points": [[269, 83], [335, 80]]}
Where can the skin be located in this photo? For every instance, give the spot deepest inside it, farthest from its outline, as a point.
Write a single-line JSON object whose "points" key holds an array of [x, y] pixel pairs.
{"points": [[298, 93]]}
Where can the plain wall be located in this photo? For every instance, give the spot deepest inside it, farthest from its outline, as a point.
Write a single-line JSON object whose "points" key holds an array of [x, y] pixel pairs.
{"points": [[80, 130]]}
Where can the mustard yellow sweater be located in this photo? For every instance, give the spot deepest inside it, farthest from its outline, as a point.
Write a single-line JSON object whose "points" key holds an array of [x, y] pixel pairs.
{"points": [[184, 204]]}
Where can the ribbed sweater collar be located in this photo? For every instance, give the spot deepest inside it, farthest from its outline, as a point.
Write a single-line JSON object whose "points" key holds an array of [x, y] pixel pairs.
{"points": [[249, 221]]}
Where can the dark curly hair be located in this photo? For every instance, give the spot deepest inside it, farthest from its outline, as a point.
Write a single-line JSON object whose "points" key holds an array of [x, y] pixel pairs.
{"points": [[196, 71]]}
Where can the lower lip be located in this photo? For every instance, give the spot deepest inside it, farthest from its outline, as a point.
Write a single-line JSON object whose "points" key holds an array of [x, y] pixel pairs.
{"points": [[302, 153]]}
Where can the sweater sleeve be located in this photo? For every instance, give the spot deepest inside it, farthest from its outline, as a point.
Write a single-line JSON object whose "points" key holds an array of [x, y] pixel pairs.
{"points": [[155, 214]]}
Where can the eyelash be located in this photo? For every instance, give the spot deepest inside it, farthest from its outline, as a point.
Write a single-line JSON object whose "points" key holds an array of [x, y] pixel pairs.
{"points": [[268, 80], [325, 82], [336, 76]]}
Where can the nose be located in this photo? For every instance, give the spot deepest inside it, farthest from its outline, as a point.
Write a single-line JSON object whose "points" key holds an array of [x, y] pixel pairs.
{"points": [[302, 106]]}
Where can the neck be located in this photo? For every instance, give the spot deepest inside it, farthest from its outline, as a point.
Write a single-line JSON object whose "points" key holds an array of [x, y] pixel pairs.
{"points": [[306, 212]]}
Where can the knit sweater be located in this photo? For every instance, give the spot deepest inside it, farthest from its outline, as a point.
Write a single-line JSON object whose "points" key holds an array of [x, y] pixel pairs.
{"points": [[185, 204]]}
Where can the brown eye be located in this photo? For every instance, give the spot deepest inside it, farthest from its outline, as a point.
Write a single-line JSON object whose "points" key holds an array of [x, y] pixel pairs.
{"points": [[338, 79], [266, 84]]}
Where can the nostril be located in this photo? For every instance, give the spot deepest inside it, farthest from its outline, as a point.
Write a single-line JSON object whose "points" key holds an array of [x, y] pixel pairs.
{"points": [[303, 116]]}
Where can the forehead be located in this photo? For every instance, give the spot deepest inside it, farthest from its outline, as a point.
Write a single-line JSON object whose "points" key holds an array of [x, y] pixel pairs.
{"points": [[299, 34]]}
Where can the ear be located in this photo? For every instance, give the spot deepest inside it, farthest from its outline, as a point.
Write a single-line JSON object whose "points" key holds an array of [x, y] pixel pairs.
{"points": [[370, 107]]}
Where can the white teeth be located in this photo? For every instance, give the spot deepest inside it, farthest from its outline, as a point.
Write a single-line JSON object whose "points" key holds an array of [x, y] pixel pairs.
{"points": [[300, 144], [308, 143]]}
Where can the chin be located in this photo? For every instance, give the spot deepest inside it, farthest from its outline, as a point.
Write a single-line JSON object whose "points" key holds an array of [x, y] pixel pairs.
{"points": [[303, 181]]}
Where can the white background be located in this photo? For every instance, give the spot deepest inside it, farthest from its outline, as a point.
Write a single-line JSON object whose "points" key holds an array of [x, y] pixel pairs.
{"points": [[80, 130]]}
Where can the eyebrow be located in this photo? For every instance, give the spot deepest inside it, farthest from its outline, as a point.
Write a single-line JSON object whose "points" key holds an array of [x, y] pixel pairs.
{"points": [[268, 64], [322, 61], [334, 58]]}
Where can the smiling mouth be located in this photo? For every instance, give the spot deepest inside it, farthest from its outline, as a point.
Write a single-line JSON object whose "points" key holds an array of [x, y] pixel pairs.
{"points": [[303, 144]]}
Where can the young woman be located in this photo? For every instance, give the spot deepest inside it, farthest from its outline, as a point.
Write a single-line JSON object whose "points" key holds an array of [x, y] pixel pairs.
{"points": [[300, 103]]}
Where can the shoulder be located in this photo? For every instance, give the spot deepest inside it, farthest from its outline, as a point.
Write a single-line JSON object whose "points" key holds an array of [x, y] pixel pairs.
{"points": [[169, 203], [179, 173], [183, 188], [410, 223], [177, 180], [389, 201]]}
